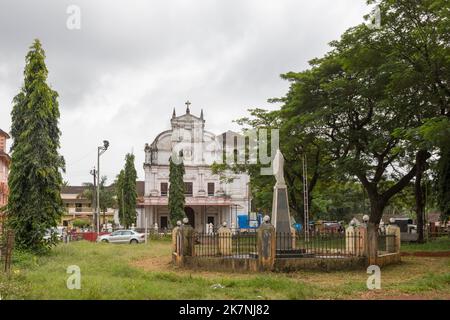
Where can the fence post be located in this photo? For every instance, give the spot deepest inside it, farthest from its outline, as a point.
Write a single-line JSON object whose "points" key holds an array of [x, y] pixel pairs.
{"points": [[293, 238], [187, 235], [266, 245], [176, 244], [225, 239], [392, 238], [350, 239], [361, 234]]}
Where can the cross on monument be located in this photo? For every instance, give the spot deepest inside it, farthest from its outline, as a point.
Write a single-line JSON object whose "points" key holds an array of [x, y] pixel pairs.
{"points": [[187, 103]]}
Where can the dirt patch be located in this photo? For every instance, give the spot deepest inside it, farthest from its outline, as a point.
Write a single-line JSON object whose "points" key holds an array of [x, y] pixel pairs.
{"points": [[435, 254], [163, 263]]}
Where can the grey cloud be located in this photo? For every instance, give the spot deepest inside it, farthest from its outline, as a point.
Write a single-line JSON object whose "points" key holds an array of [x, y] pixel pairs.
{"points": [[133, 61]]}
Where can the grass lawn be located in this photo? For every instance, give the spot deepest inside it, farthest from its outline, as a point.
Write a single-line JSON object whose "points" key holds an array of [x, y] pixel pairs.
{"points": [[439, 244], [111, 271]]}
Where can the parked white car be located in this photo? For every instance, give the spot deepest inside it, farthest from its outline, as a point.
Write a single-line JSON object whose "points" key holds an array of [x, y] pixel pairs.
{"points": [[122, 236], [56, 232]]}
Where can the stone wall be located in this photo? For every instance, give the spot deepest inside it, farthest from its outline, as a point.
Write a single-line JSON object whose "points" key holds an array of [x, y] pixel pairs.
{"points": [[330, 264], [221, 264], [389, 258]]}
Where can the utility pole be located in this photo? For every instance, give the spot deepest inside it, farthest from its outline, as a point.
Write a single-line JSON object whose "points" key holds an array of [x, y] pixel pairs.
{"points": [[100, 151], [93, 172]]}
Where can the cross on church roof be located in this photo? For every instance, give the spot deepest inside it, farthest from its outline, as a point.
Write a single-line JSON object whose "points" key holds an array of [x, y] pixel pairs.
{"points": [[187, 103]]}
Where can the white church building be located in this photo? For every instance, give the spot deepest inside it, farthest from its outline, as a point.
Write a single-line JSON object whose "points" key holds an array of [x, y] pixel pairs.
{"points": [[208, 199]]}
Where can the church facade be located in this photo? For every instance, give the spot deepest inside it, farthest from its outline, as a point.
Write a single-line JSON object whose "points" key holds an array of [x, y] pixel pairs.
{"points": [[208, 198]]}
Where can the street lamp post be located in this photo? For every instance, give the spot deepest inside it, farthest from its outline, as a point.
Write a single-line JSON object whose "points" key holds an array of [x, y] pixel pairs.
{"points": [[100, 151]]}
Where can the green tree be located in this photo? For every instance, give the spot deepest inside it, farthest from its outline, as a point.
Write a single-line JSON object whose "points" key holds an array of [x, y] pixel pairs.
{"points": [[294, 144], [348, 100], [126, 192], [81, 223], [176, 190], [35, 180], [119, 195], [417, 33]]}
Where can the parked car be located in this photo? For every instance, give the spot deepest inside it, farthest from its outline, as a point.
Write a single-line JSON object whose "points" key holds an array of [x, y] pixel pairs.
{"points": [[54, 232], [122, 236]]}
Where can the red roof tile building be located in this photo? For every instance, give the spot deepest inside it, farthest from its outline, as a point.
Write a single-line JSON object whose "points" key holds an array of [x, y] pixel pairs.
{"points": [[5, 160]]}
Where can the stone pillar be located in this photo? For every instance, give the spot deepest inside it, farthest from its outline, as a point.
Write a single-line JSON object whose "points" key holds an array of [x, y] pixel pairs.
{"points": [[225, 240], [294, 238], [177, 244], [280, 205], [281, 217], [392, 243], [175, 231], [361, 233], [266, 245], [350, 243], [187, 235]]}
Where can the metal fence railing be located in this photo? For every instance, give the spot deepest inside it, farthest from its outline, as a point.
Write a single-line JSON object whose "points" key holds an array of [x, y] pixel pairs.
{"points": [[6, 248], [237, 245], [320, 244]]}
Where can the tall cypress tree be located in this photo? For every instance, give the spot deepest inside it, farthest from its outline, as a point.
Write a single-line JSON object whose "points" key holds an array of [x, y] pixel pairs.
{"points": [[119, 195], [35, 180], [176, 191], [126, 192]]}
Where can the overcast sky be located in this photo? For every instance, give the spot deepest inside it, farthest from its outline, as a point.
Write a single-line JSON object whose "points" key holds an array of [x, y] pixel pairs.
{"points": [[132, 62]]}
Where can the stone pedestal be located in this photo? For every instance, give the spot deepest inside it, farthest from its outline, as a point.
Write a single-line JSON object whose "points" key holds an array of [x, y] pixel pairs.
{"points": [[266, 247], [361, 247], [187, 243], [281, 218], [356, 240], [177, 244], [280, 209], [350, 245], [392, 243], [225, 241], [174, 239]]}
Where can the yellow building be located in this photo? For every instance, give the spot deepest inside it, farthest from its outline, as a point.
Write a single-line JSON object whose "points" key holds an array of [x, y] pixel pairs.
{"points": [[79, 207]]}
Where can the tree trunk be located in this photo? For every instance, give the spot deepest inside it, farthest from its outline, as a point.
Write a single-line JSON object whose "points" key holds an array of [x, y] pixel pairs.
{"points": [[420, 206], [377, 206], [418, 193], [372, 243]]}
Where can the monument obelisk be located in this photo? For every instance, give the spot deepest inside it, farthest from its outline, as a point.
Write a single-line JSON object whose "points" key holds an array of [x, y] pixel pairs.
{"points": [[280, 206]]}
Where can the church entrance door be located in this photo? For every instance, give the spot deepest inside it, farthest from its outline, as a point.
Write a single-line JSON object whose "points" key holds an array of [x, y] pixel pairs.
{"points": [[190, 214]]}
